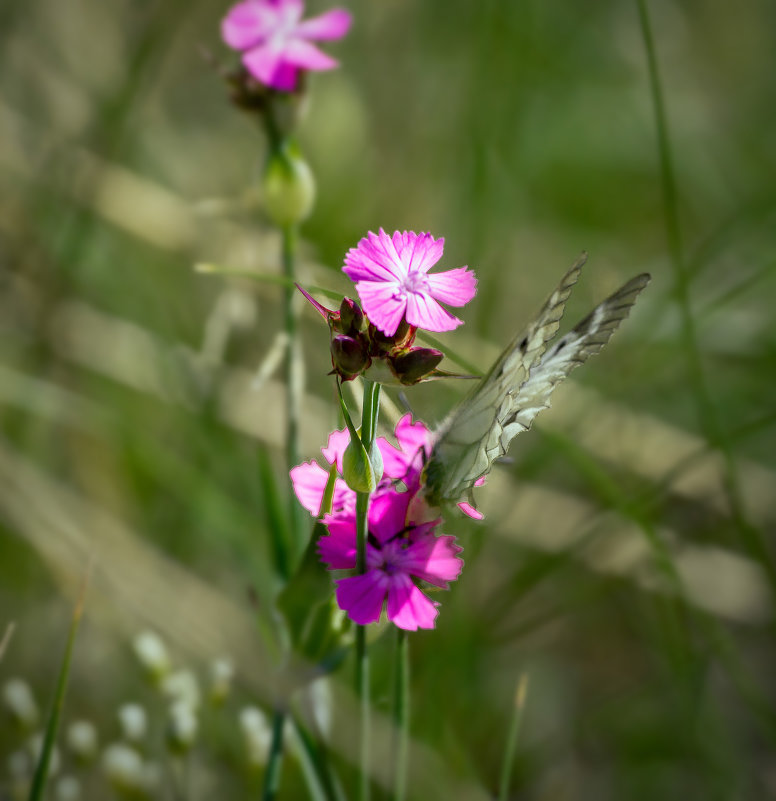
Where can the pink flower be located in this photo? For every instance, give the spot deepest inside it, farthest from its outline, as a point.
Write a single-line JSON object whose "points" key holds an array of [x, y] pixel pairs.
{"points": [[395, 555], [392, 279], [276, 44]]}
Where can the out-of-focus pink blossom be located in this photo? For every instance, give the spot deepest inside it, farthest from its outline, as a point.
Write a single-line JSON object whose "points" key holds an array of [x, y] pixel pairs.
{"points": [[276, 43], [393, 282]]}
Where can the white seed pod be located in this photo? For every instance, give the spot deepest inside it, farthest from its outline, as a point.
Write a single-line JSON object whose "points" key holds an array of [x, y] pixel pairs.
{"points": [[20, 702], [81, 739], [133, 721], [152, 653]]}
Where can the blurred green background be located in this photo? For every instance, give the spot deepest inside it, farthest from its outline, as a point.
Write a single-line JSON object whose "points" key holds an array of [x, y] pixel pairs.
{"points": [[627, 559]]}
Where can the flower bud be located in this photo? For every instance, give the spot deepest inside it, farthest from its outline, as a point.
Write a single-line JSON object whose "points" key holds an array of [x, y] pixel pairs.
{"points": [[81, 739], [123, 767], [349, 356], [133, 721], [257, 734], [362, 472], [351, 317], [67, 788], [412, 365], [152, 654], [221, 675], [20, 701], [182, 728], [403, 338], [288, 187]]}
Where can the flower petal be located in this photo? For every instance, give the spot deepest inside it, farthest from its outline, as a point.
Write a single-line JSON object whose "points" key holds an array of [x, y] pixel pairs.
{"points": [[433, 559], [337, 549], [383, 303], [387, 514], [362, 597], [301, 53], [309, 480], [333, 24], [412, 436], [395, 461], [249, 23], [335, 447], [374, 259], [408, 607], [264, 62], [470, 511], [424, 312], [455, 287], [419, 252]]}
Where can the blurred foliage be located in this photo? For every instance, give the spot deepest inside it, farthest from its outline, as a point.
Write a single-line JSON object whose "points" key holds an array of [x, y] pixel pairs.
{"points": [[627, 559]]}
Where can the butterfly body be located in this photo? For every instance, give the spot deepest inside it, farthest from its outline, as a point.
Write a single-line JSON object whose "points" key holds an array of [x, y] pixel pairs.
{"points": [[517, 387]]}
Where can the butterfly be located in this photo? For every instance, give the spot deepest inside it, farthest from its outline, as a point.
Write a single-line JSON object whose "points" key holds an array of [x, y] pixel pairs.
{"points": [[517, 387]]}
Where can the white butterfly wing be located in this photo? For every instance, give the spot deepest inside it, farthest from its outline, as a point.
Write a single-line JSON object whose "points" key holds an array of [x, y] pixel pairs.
{"points": [[518, 387]]}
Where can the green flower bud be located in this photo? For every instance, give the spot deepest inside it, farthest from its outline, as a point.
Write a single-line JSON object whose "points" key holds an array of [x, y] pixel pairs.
{"points": [[362, 472], [288, 187]]}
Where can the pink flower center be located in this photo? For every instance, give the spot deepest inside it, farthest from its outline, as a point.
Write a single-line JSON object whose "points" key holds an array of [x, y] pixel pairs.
{"points": [[415, 282]]}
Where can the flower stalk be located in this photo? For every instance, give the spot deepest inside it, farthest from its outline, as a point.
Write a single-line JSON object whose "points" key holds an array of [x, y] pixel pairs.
{"points": [[401, 715], [369, 415], [275, 758]]}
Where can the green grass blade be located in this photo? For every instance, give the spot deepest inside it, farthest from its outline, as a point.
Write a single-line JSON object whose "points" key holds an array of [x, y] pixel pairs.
{"points": [[510, 747], [9, 629], [52, 726]]}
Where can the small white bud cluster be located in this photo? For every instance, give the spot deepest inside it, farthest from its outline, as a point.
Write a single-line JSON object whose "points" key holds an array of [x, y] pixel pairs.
{"points": [[20, 702], [152, 654], [221, 675], [126, 770], [257, 735], [182, 688], [67, 788], [81, 739], [133, 721]]}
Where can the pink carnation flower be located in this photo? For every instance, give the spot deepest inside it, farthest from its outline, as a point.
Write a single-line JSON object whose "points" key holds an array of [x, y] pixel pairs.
{"points": [[276, 44], [393, 282], [396, 556]]}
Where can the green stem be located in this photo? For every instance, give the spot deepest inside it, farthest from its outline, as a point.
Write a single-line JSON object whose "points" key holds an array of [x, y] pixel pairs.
{"points": [[293, 381], [272, 775], [510, 747], [362, 656], [707, 412], [401, 714], [369, 415]]}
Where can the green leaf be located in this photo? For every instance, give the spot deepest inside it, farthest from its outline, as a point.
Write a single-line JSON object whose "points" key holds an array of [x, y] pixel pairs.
{"points": [[41, 769]]}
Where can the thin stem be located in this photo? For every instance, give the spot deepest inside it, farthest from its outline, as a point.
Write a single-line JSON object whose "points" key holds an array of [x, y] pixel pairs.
{"points": [[275, 759], [362, 656], [707, 412], [401, 715], [293, 380], [371, 407], [510, 746]]}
